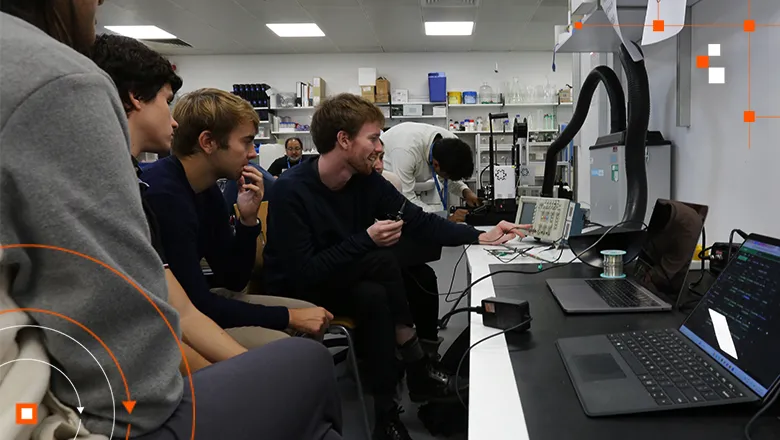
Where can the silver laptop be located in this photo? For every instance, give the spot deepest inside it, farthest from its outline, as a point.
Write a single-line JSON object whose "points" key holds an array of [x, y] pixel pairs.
{"points": [[660, 269]]}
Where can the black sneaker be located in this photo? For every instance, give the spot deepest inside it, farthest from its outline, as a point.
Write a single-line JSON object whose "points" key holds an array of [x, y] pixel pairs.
{"points": [[428, 382], [391, 427]]}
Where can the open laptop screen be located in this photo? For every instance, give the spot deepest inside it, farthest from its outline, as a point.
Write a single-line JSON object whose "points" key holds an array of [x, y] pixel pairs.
{"points": [[672, 235], [738, 321]]}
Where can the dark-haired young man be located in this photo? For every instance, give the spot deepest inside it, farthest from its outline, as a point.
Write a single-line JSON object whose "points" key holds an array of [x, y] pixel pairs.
{"points": [[147, 84], [330, 223], [420, 152]]}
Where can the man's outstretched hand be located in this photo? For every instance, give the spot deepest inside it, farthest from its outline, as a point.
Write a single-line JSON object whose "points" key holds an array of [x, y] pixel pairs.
{"points": [[311, 320], [504, 232]]}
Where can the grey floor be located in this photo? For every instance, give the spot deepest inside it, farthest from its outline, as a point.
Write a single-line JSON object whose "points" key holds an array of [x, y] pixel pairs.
{"points": [[351, 406]]}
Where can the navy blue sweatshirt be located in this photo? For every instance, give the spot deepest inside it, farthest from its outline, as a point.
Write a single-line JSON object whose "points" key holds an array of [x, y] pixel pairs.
{"points": [[314, 231], [194, 226]]}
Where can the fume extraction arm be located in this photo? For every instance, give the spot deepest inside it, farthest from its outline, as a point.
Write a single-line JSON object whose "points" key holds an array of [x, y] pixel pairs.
{"points": [[629, 235]]}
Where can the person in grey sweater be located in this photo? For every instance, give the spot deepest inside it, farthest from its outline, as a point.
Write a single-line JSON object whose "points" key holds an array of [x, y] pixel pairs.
{"points": [[66, 181]]}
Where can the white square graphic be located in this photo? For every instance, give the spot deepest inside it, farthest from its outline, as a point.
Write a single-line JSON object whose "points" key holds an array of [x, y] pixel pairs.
{"points": [[27, 414], [717, 75], [713, 50]]}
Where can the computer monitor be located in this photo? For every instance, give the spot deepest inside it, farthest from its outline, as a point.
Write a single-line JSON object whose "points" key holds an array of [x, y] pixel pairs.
{"points": [[665, 259], [737, 323]]}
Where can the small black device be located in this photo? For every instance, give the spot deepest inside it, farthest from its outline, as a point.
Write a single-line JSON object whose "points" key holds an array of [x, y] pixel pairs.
{"points": [[724, 352], [719, 256], [505, 313]]}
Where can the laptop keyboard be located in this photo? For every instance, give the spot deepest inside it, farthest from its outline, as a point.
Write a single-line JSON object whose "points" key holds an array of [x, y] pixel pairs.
{"points": [[671, 372], [621, 293]]}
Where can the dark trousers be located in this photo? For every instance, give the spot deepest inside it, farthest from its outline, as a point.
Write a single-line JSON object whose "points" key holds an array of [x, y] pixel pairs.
{"points": [[371, 292], [285, 390], [422, 289]]}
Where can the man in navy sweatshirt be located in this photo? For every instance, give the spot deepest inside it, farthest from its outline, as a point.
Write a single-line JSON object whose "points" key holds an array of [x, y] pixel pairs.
{"points": [[330, 223], [214, 140]]}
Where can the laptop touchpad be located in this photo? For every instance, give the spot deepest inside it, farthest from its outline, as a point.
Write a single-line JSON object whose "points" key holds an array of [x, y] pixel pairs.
{"points": [[594, 367]]}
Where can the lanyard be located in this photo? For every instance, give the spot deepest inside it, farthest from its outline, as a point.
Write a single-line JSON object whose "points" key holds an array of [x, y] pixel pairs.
{"points": [[443, 194], [288, 163]]}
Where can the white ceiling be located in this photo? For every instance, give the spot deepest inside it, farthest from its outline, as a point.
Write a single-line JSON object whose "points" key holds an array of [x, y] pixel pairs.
{"points": [[238, 26]]}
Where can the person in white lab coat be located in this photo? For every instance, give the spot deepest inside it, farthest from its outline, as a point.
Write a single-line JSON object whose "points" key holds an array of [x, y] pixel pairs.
{"points": [[417, 152]]}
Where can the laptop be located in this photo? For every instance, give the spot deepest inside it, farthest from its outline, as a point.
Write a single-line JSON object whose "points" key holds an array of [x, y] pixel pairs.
{"points": [[660, 269], [725, 351]]}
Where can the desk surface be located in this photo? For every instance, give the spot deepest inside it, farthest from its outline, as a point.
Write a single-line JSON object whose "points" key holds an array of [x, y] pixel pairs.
{"points": [[495, 412], [519, 388]]}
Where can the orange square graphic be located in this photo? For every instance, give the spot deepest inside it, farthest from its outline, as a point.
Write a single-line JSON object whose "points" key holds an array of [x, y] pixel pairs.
{"points": [[750, 116], [658, 25], [702, 61], [26, 414], [750, 25], [577, 25]]}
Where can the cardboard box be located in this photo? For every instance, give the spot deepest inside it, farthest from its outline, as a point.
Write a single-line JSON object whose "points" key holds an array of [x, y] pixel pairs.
{"points": [[366, 76], [564, 95], [368, 92], [318, 90], [413, 109], [382, 99], [439, 110], [400, 96], [382, 86]]}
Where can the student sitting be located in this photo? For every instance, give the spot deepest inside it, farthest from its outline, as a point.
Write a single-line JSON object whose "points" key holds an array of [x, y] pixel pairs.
{"points": [[147, 85], [214, 140], [330, 222], [293, 152], [80, 194]]}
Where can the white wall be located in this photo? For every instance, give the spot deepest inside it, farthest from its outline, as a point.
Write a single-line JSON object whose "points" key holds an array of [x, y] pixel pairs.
{"points": [[713, 164], [465, 71]]}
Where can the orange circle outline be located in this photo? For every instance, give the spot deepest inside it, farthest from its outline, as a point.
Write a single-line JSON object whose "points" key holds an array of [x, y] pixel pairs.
{"points": [[83, 327]]}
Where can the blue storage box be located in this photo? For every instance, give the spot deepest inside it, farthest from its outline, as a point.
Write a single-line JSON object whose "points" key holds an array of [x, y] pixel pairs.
{"points": [[437, 87]]}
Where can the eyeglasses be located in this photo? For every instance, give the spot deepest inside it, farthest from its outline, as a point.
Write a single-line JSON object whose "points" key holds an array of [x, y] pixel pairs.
{"points": [[294, 149]]}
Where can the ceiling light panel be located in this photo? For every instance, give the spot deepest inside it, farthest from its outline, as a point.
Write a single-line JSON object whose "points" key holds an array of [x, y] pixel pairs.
{"points": [[296, 30], [449, 27]]}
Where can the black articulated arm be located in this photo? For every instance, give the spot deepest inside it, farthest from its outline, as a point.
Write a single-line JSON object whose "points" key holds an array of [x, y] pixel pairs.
{"points": [[617, 104], [636, 136]]}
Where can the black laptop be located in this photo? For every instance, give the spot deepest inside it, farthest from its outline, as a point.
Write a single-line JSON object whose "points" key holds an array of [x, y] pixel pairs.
{"points": [[726, 351]]}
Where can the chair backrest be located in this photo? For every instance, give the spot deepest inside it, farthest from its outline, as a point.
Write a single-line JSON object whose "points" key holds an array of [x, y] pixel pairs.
{"points": [[268, 153]]}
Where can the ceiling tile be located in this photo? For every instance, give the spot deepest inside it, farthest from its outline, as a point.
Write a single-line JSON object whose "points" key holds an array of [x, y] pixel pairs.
{"points": [[552, 14], [506, 14], [324, 3], [275, 11], [449, 14], [391, 3], [331, 20]]}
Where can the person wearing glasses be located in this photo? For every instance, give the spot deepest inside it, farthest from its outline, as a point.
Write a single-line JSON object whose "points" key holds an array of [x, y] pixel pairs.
{"points": [[293, 152]]}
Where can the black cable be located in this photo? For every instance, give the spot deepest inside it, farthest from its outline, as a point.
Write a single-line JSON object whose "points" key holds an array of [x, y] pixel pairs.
{"points": [[460, 363], [755, 416], [703, 248], [554, 264], [462, 310], [731, 241]]}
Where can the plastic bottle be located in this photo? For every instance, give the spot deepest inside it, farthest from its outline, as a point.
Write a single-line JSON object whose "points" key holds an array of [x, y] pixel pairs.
{"points": [[451, 126], [456, 126], [480, 125]]}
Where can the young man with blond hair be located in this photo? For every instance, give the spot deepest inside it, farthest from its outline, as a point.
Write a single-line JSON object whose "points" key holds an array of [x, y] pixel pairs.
{"points": [[214, 140], [331, 221]]}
